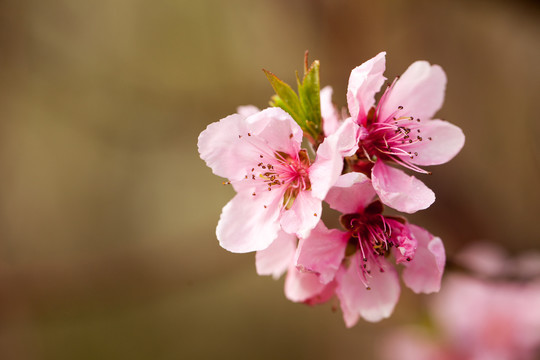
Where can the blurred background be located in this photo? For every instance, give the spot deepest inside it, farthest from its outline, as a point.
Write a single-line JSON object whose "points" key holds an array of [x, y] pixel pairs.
{"points": [[107, 214]]}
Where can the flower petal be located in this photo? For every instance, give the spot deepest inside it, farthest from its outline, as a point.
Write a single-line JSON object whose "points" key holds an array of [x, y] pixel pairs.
{"points": [[400, 191], [374, 304], [423, 274], [405, 242], [246, 225], [233, 145], [420, 91], [351, 193], [247, 110], [329, 113], [322, 252], [303, 215], [219, 146], [364, 82], [275, 129], [275, 259], [329, 162], [305, 287], [441, 141]]}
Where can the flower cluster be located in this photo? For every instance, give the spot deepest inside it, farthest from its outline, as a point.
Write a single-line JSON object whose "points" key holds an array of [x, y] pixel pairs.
{"points": [[354, 162]]}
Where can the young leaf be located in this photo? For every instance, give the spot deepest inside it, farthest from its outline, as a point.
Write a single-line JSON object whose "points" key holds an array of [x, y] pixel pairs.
{"points": [[305, 108], [286, 97], [309, 94]]}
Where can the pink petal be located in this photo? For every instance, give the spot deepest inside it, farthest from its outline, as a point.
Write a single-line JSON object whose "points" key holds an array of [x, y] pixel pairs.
{"points": [[350, 316], [373, 305], [246, 225], [420, 91], [329, 162], [405, 243], [364, 82], [219, 146], [275, 259], [446, 141], [329, 112], [400, 191], [303, 215], [322, 252], [275, 129], [351, 193], [423, 274], [232, 146], [306, 287], [247, 110], [326, 294]]}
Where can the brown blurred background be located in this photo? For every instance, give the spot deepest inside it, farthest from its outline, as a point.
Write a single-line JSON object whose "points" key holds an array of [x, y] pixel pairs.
{"points": [[107, 214]]}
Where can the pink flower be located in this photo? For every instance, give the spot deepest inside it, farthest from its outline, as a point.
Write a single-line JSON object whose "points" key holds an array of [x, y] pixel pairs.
{"points": [[490, 320], [398, 130], [354, 262], [277, 186], [480, 319]]}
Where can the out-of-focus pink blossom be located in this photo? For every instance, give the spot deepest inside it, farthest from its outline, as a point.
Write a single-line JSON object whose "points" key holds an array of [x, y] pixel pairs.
{"points": [[479, 319], [487, 320], [278, 188]]}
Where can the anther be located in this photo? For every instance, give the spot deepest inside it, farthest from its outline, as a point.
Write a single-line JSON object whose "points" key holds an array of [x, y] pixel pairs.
{"points": [[249, 134], [429, 138], [239, 136], [261, 156], [419, 138], [253, 194], [290, 136], [315, 214], [400, 107]]}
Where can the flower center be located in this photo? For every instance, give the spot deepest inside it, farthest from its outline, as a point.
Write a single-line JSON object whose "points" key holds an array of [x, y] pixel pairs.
{"points": [[373, 235], [369, 230], [283, 171], [392, 139]]}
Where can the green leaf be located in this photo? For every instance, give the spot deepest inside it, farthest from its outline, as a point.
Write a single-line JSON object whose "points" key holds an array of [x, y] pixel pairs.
{"points": [[305, 108], [286, 98], [309, 94]]}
